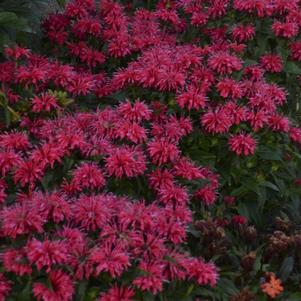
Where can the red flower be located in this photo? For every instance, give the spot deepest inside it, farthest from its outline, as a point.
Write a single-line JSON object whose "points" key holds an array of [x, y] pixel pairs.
{"points": [[118, 294], [279, 123], [295, 48], [137, 111], [229, 200], [229, 88], [88, 176], [203, 273], [14, 141], [5, 287], [14, 260], [46, 253], [242, 144], [125, 161], [239, 220], [21, 219], [28, 172], [192, 99], [218, 121], [295, 135], [162, 151], [242, 33], [152, 280], [207, 195], [17, 52], [286, 30], [224, 63], [61, 288], [90, 212], [109, 259], [8, 160], [44, 102], [271, 62]]}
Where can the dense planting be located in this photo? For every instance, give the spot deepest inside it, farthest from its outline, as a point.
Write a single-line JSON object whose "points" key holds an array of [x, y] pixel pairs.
{"points": [[148, 154]]}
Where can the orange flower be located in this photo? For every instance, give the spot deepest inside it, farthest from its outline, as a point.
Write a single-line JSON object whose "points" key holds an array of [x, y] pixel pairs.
{"points": [[272, 287]]}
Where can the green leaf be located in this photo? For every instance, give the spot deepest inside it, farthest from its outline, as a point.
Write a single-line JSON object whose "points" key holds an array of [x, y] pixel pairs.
{"points": [[61, 3], [295, 297], [293, 68], [81, 291], [269, 185], [286, 268], [8, 17]]}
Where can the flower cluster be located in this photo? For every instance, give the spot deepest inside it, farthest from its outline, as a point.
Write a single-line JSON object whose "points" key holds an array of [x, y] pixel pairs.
{"points": [[80, 222]]}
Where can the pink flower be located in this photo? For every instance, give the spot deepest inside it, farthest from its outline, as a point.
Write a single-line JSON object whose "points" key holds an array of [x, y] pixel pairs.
{"points": [[242, 33], [295, 135], [137, 111], [118, 294], [224, 63], [46, 253], [279, 123], [192, 99], [229, 88], [203, 273], [254, 73], [242, 144], [21, 219], [218, 122], [44, 102], [108, 258], [161, 178], [8, 160], [90, 212], [162, 151], [88, 176], [295, 48], [286, 30], [5, 287], [17, 52], [125, 161], [152, 280], [14, 260], [173, 194], [187, 169], [229, 200], [207, 195], [17, 141], [48, 154], [271, 62], [239, 220], [28, 172], [61, 288], [257, 120], [131, 131]]}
